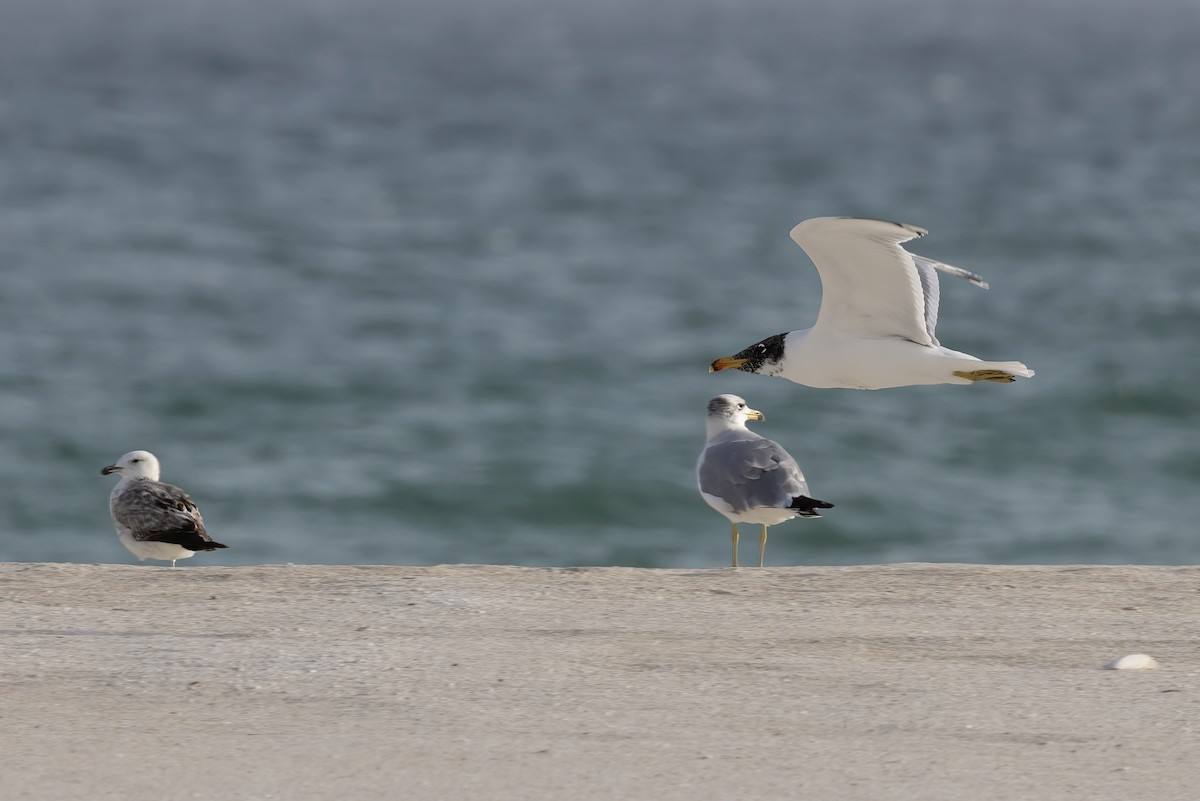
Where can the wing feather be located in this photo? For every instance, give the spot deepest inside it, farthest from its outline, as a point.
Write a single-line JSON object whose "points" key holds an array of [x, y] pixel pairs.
{"points": [[871, 286], [154, 511], [930, 293], [751, 473]]}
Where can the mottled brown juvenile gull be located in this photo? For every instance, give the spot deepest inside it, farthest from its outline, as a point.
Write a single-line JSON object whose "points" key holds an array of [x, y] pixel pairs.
{"points": [[879, 308], [154, 520], [747, 477]]}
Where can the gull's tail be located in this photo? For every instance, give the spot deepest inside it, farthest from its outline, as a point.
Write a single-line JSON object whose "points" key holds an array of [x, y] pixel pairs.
{"points": [[807, 507]]}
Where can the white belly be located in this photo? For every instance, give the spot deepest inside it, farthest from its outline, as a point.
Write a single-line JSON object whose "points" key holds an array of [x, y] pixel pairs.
{"points": [[828, 360], [762, 516]]}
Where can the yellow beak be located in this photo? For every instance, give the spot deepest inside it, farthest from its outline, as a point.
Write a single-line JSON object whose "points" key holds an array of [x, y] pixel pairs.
{"points": [[724, 363], [754, 414]]}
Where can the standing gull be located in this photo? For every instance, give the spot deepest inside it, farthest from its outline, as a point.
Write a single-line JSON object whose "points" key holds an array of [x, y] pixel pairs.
{"points": [[749, 478], [154, 520], [879, 307]]}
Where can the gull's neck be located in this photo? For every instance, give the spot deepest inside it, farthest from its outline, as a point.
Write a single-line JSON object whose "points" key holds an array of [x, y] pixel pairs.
{"points": [[723, 425], [126, 480]]}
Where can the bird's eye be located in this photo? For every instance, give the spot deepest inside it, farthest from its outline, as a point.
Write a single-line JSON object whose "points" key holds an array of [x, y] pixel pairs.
{"points": [[134, 461], [741, 406]]}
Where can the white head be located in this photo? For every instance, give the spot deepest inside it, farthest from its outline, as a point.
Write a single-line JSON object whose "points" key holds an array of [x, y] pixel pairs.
{"points": [[730, 411], [135, 464]]}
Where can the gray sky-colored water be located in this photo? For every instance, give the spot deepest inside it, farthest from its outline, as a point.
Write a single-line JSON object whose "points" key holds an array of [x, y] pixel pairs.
{"points": [[389, 282]]}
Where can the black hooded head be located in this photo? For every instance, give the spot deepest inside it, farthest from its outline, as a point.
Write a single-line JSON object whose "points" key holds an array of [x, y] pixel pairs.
{"points": [[762, 358]]}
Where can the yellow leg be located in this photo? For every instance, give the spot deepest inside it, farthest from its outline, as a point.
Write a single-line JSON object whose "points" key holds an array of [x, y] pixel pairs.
{"points": [[762, 545], [734, 537], [999, 376]]}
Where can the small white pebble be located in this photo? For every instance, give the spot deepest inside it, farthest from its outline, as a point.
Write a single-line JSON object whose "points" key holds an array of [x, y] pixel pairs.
{"points": [[1133, 662]]}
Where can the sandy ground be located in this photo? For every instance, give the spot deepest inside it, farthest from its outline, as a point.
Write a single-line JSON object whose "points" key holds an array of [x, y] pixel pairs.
{"points": [[480, 682]]}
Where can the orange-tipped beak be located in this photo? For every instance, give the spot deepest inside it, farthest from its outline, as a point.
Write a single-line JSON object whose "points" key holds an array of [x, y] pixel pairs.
{"points": [[724, 363]]}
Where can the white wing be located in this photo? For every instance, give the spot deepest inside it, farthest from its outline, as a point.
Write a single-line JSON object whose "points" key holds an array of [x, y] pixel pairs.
{"points": [[872, 287]]}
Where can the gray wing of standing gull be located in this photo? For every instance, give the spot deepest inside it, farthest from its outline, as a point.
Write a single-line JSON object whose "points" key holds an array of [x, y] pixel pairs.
{"points": [[157, 512], [751, 473]]}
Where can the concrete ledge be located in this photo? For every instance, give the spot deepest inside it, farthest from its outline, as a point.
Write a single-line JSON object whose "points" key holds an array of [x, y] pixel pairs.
{"points": [[487, 682]]}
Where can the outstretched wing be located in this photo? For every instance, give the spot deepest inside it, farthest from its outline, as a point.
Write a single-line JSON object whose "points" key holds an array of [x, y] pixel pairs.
{"points": [[750, 473], [872, 287], [157, 512]]}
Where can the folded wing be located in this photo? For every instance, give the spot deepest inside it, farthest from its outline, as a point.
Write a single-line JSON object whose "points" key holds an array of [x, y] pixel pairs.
{"points": [[157, 512], [751, 473]]}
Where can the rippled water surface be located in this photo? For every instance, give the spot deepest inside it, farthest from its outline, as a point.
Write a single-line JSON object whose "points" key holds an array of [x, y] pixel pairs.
{"points": [[410, 283]]}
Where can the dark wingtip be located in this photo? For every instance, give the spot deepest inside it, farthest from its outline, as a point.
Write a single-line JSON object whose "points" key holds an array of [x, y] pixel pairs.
{"points": [[916, 230], [807, 504], [194, 541]]}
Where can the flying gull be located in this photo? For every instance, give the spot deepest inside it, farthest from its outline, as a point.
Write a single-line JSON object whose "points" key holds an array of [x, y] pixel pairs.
{"points": [[749, 478], [154, 520], [879, 307]]}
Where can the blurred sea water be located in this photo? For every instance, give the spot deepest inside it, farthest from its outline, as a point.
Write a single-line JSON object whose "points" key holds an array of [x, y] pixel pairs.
{"points": [[405, 282]]}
